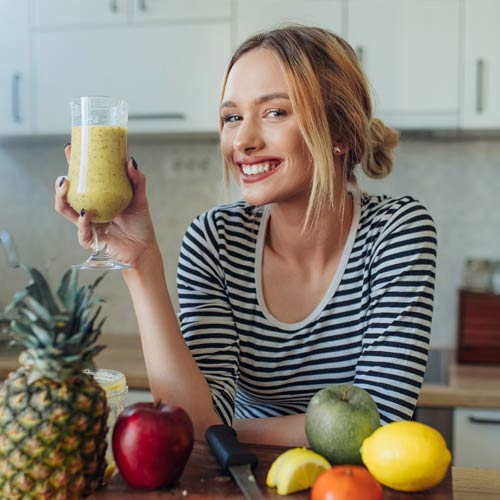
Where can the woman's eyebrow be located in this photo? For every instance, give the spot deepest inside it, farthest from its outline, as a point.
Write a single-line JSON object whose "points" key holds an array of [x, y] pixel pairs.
{"points": [[259, 100]]}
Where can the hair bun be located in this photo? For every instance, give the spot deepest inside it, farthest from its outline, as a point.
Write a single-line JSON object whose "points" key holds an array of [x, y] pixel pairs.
{"points": [[379, 160]]}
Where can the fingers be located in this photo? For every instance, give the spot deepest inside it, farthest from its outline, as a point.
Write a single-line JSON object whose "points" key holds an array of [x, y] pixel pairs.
{"points": [[61, 204], [84, 231], [67, 151], [138, 180]]}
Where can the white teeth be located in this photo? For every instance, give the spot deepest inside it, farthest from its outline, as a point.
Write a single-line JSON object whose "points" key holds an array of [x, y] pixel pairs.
{"points": [[258, 169]]}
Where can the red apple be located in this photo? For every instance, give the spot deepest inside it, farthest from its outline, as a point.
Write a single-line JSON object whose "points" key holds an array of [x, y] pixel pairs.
{"points": [[151, 444]]}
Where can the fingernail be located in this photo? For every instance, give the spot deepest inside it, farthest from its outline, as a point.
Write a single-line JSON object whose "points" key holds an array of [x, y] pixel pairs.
{"points": [[61, 181], [82, 212], [134, 163], [67, 144]]}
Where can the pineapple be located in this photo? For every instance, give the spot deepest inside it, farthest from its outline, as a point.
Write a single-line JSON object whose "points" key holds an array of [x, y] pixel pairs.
{"points": [[53, 416]]}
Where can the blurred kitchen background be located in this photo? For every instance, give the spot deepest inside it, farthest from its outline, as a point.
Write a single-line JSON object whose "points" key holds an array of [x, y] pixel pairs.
{"points": [[435, 73], [434, 70]]}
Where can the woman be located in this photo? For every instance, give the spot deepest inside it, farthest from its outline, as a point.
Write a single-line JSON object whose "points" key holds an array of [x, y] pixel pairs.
{"points": [[305, 283]]}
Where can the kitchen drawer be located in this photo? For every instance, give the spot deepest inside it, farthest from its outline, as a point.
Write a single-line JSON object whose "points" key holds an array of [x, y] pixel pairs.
{"points": [[476, 438]]}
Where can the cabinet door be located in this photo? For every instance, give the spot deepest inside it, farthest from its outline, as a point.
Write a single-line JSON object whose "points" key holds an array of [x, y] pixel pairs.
{"points": [[170, 75], [179, 10], [257, 15], [476, 435], [411, 57], [481, 96], [65, 13], [14, 67]]}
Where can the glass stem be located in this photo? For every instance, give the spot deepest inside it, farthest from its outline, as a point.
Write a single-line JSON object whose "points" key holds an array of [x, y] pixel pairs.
{"points": [[99, 233]]}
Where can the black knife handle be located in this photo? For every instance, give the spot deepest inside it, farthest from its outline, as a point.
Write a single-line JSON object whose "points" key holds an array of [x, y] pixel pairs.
{"points": [[224, 443]]}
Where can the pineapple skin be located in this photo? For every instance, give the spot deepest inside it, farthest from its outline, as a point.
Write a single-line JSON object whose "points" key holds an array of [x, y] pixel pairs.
{"points": [[52, 437]]}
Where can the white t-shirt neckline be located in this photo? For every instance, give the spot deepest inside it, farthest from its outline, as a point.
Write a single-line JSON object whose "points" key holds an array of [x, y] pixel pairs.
{"points": [[356, 197]]}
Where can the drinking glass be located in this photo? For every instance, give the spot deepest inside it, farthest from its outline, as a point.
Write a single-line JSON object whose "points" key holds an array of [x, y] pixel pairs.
{"points": [[98, 180]]}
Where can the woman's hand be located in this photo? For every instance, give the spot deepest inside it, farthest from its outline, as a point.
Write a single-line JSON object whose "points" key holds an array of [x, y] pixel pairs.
{"points": [[130, 234]]}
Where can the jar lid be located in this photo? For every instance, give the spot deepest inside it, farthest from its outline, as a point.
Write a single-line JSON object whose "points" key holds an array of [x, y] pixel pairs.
{"points": [[112, 381]]}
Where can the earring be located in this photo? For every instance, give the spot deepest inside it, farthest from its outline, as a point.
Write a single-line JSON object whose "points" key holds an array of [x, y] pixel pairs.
{"points": [[336, 149]]}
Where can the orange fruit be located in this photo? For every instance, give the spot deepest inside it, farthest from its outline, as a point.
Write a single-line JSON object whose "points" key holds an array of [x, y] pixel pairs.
{"points": [[346, 482]]}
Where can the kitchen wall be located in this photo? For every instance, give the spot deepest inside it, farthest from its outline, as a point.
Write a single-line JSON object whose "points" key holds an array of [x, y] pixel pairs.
{"points": [[458, 179]]}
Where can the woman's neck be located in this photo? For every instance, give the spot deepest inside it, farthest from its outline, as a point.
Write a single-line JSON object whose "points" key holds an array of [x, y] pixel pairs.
{"points": [[287, 237]]}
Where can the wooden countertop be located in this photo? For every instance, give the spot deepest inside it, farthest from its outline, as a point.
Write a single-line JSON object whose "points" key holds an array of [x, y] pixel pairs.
{"points": [[202, 478], [473, 386], [470, 386]]}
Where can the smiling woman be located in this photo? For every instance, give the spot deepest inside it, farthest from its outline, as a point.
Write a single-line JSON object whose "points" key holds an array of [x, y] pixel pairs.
{"points": [[306, 282], [257, 118]]}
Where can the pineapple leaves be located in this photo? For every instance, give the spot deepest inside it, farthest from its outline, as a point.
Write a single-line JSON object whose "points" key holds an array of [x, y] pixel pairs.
{"points": [[59, 340], [39, 289], [68, 288], [40, 311]]}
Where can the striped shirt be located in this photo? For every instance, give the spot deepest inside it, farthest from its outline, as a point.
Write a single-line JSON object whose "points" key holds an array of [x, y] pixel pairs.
{"points": [[371, 328]]}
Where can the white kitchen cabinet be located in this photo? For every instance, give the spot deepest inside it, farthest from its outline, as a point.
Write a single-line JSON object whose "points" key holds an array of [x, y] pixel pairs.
{"points": [[65, 13], [169, 74], [172, 10], [252, 16], [481, 65], [15, 75], [409, 50], [476, 438], [56, 14]]}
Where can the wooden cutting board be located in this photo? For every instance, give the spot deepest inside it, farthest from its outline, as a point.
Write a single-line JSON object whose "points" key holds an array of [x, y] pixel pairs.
{"points": [[202, 478]]}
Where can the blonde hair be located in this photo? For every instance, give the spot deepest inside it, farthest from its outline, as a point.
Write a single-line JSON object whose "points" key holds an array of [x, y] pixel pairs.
{"points": [[330, 98]]}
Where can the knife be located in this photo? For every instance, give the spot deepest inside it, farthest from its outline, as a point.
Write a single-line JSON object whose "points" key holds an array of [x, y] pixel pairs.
{"points": [[235, 461]]}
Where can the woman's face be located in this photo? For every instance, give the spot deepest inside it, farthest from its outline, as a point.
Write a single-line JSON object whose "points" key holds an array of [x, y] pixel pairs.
{"points": [[260, 137]]}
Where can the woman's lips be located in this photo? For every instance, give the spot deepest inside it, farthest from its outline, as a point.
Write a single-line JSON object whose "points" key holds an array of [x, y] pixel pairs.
{"points": [[257, 169]]}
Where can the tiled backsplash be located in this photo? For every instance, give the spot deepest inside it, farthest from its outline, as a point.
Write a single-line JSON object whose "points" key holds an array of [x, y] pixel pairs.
{"points": [[458, 180]]}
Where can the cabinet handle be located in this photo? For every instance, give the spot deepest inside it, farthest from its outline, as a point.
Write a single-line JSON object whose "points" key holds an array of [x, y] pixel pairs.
{"points": [[142, 5], [478, 420], [113, 5], [157, 116], [360, 52], [479, 86], [16, 81]]}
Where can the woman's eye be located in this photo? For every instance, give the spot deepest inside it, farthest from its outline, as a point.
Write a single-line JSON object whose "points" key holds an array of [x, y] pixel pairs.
{"points": [[275, 113], [231, 118]]}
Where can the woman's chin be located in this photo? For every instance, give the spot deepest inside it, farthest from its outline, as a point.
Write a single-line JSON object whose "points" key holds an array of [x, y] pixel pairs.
{"points": [[255, 199]]}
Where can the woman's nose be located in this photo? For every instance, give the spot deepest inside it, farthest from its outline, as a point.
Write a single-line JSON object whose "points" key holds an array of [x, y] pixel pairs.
{"points": [[248, 138]]}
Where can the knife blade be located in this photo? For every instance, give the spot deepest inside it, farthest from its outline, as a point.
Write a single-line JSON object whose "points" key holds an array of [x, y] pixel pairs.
{"points": [[235, 461]]}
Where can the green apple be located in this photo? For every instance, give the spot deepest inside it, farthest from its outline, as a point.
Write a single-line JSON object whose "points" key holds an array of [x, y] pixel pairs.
{"points": [[338, 419]]}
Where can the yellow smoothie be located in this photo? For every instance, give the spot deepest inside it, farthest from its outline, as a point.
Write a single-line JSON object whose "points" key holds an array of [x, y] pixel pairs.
{"points": [[98, 180]]}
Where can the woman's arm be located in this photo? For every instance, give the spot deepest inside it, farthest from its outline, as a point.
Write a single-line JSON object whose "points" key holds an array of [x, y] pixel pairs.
{"points": [[174, 376], [278, 431], [398, 324]]}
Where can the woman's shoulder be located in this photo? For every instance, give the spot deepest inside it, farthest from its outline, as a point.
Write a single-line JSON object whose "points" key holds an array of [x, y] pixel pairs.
{"points": [[238, 211], [384, 209], [229, 218]]}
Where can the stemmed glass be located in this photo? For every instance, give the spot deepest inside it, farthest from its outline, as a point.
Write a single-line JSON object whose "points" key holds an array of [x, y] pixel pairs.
{"points": [[98, 180]]}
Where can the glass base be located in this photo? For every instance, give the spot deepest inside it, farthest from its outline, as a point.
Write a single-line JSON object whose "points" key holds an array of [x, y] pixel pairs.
{"points": [[102, 261]]}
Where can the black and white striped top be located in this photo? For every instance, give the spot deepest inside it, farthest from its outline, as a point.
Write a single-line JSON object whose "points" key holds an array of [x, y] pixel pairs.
{"points": [[372, 327]]}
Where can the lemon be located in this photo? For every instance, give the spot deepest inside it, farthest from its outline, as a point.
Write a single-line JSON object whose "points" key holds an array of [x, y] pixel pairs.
{"points": [[108, 473], [295, 470], [406, 456]]}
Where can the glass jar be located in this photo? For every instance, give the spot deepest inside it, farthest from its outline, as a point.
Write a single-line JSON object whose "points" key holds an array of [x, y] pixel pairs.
{"points": [[477, 275], [115, 385]]}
